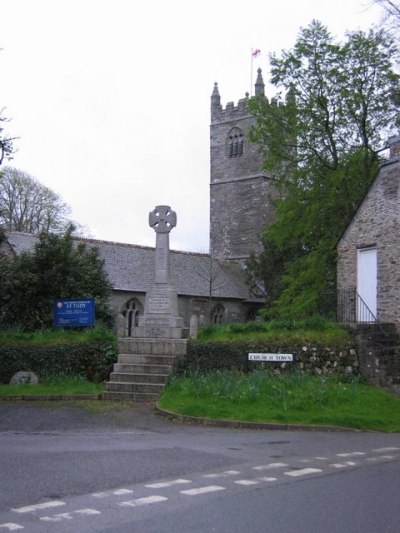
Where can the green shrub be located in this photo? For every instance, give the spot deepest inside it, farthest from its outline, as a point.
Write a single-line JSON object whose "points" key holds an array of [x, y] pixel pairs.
{"points": [[91, 360]]}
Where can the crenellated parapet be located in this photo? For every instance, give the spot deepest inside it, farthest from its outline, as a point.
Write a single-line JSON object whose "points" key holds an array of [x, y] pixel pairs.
{"points": [[232, 111]]}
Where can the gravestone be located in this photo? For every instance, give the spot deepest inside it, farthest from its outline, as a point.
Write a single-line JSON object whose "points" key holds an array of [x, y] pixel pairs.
{"points": [[161, 316]]}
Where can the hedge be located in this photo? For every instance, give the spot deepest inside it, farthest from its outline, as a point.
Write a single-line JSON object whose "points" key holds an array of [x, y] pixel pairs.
{"points": [[209, 356], [92, 361]]}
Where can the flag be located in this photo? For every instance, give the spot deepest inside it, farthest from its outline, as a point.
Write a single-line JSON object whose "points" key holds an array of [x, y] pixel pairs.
{"points": [[256, 52]]}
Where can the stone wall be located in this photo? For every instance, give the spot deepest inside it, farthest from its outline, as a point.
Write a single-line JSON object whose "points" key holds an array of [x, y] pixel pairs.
{"points": [[377, 224]]}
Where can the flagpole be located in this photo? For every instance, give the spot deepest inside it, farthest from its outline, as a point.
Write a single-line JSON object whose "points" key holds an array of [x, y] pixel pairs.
{"points": [[251, 73]]}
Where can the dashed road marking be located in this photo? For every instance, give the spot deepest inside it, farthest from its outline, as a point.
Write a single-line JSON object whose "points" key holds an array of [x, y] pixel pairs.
{"points": [[269, 466], [143, 501], [164, 484], [389, 449], [57, 517], [380, 457], [223, 474], [344, 464], [247, 481], [267, 479], [69, 516], [11, 526], [39, 506], [202, 490], [117, 492], [350, 454], [302, 472]]}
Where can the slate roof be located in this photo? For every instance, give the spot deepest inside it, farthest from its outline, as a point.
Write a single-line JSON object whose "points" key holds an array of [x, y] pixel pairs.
{"points": [[131, 267]]}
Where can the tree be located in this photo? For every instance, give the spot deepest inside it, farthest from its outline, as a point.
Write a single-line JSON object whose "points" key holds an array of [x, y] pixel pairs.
{"points": [[57, 268], [322, 145], [6, 143], [391, 13], [27, 205]]}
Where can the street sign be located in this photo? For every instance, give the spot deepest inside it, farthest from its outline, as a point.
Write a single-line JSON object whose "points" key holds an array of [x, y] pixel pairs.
{"points": [[74, 313], [272, 357]]}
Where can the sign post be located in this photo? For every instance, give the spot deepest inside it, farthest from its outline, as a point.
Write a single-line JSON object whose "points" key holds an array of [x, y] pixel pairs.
{"points": [[272, 357], [74, 313]]}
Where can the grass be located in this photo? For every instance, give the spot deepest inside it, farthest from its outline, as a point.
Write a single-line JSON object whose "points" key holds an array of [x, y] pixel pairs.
{"points": [[58, 386], [313, 329], [297, 398], [57, 336]]}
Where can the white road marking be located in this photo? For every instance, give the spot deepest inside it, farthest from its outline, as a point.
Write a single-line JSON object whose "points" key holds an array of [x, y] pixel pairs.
{"points": [[247, 481], [302, 472], [143, 501], [69, 516], [378, 457], [57, 517], [267, 479], [202, 490], [269, 466], [223, 474], [343, 465], [11, 526], [321, 458], [87, 512], [392, 449], [350, 454], [117, 492], [164, 484], [39, 506]]}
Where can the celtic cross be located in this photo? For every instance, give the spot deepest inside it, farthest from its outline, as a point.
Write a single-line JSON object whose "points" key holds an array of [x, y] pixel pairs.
{"points": [[162, 219]]}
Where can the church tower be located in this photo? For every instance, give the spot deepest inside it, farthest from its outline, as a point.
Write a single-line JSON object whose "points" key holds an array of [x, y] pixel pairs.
{"points": [[240, 192]]}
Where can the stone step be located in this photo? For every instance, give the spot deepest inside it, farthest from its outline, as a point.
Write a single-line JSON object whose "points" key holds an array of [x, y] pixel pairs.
{"points": [[119, 377], [130, 396], [135, 368], [145, 359], [119, 386], [174, 347]]}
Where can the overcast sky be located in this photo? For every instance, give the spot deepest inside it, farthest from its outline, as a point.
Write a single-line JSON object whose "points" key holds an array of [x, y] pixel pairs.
{"points": [[111, 99]]}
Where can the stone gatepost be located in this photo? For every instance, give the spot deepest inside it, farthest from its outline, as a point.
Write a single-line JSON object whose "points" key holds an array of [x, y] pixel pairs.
{"points": [[161, 316]]}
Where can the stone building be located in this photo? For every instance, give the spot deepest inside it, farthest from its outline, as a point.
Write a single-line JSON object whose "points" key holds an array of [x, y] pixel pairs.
{"points": [[240, 192], [211, 288], [368, 267], [208, 290]]}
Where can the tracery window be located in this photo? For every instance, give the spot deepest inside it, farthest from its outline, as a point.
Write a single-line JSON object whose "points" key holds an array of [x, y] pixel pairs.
{"points": [[217, 314], [235, 142], [131, 312]]}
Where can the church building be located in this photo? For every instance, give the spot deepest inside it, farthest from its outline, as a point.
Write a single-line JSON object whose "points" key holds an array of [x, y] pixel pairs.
{"points": [[211, 287]]}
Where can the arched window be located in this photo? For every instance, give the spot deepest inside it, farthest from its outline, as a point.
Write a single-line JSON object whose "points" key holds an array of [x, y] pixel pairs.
{"points": [[217, 314], [235, 142], [131, 312]]}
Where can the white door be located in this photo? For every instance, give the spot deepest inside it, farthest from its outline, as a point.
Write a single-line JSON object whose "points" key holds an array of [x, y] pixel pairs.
{"points": [[366, 283]]}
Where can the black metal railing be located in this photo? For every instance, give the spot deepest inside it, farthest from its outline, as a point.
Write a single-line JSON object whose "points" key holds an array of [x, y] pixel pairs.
{"points": [[352, 309]]}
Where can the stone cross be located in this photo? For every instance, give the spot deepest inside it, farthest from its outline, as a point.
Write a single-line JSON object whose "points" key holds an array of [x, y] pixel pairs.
{"points": [[162, 219]]}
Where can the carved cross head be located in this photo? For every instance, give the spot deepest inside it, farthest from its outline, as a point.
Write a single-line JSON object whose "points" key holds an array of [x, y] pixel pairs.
{"points": [[162, 219]]}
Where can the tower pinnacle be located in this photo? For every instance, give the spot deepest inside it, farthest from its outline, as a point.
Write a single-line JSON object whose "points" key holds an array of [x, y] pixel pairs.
{"points": [[259, 85]]}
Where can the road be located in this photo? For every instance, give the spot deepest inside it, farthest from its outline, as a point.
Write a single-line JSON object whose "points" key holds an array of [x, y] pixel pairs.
{"points": [[67, 469]]}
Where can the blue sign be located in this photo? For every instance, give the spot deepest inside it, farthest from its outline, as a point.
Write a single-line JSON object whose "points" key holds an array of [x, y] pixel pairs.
{"points": [[74, 313]]}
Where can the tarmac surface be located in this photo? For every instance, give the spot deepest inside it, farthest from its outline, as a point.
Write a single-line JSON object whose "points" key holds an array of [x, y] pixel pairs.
{"points": [[31, 416]]}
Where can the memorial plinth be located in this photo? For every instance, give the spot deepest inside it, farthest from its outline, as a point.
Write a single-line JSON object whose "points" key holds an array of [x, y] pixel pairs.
{"points": [[145, 361], [161, 316]]}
